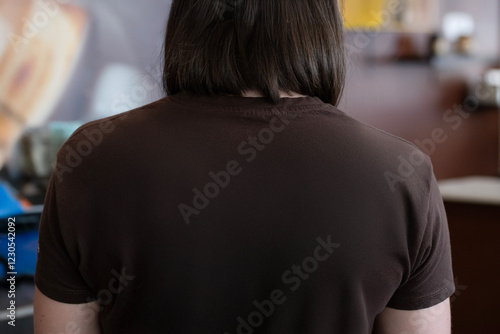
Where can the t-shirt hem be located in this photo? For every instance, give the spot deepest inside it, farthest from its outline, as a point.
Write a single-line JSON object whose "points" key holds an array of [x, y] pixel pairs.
{"points": [[63, 295], [411, 304]]}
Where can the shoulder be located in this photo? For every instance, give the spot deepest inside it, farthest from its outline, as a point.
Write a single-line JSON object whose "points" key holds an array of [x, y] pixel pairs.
{"points": [[373, 134], [109, 124], [92, 133], [94, 140], [399, 162]]}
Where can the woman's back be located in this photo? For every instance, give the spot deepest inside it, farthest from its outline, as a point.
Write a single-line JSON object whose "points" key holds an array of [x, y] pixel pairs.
{"points": [[232, 214]]}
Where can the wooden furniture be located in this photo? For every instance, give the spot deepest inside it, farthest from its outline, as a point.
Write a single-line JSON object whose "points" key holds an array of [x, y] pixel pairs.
{"points": [[474, 231], [411, 100]]}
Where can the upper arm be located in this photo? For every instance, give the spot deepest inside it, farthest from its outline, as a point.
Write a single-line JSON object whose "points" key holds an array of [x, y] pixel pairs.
{"points": [[432, 320], [427, 277], [51, 316]]}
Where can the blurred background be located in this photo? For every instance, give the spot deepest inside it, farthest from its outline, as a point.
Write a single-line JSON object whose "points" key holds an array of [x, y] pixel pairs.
{"points": [[425, 70]]}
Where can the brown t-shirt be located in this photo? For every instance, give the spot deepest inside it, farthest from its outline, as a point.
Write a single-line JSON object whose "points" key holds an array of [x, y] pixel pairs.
{"points": [[233, 215]]}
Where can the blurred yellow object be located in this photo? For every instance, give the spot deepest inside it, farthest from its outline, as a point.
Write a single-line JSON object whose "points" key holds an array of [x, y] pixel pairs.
{"points": [[362, 13]]}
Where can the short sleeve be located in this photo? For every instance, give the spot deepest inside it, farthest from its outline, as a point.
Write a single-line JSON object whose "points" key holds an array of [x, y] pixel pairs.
{"points": [[431, 276], [57, 275]]}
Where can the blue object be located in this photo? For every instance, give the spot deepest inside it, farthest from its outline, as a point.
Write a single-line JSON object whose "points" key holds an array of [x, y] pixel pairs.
{"points": [[9, 205], [25, 237], [26, 244]]}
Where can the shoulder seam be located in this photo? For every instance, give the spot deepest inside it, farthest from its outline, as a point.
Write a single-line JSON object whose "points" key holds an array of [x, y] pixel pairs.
{"points": [[112, 118], [407, 142]]}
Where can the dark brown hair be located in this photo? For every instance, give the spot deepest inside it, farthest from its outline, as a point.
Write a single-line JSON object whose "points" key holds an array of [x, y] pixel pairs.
{"points": [[231, 46]]}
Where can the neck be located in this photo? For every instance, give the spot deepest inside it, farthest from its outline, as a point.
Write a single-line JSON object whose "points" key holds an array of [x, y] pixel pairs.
{"points": [[254, 93]]}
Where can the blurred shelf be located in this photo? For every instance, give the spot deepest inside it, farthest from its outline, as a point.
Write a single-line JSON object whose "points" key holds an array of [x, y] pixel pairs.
{"points": [[475, 189], [451, 61]]}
